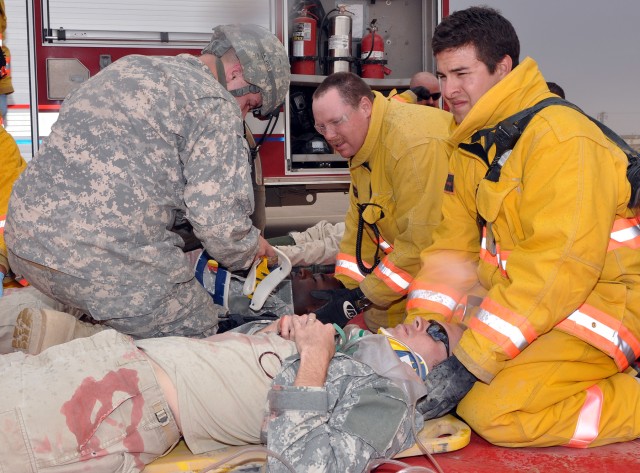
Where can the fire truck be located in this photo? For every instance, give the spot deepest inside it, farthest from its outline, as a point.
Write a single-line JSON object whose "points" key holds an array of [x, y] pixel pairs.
{"points": [[58, 44]]}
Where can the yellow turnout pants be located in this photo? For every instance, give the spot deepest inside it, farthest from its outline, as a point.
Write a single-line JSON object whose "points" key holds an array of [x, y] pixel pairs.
{"points": [[558, 391]]}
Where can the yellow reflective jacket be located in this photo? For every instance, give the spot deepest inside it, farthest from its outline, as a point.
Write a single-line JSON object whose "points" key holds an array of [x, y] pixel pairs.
{"points": [[11, 165], [6, 85], [560, 248], [3, 17], [400, 171]]}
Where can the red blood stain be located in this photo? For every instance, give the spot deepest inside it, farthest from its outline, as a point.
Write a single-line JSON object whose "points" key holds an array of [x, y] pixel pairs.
{"points": [[94, 394], [42, 446], [132, 355]]}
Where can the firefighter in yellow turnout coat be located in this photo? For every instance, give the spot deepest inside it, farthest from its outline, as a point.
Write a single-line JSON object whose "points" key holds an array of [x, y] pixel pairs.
{"points": [[398, 159], [12, 164], [558, 263]]}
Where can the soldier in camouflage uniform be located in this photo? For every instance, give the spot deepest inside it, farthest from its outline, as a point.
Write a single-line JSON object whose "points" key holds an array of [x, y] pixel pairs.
{"points": [[285, 387], [31, 321], [148, 140]]}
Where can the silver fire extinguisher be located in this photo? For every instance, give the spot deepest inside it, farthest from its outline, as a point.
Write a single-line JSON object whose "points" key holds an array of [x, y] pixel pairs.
{"points": [[340, 41]]}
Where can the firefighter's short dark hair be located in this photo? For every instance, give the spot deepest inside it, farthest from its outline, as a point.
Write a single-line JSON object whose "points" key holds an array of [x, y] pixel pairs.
{"points": [[493, 36]]}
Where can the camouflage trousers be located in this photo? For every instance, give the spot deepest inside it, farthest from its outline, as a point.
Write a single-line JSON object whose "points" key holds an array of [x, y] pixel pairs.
{"points": [[142, 311], [92, 404]]}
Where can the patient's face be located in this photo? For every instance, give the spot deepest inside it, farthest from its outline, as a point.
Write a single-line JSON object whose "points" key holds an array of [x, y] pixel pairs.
{"points": [[303, 282]]}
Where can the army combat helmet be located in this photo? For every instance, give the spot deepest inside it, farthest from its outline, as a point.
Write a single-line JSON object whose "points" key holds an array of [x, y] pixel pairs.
{"points": [[264, 62]]}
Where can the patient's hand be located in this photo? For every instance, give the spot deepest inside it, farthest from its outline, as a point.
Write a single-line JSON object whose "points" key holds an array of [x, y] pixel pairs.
{"points": [[273, 327], [315, 342], [286, 324]]}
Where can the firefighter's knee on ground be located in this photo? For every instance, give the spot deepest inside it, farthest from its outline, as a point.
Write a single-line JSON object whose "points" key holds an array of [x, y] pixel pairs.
{"points": [[488, 417], [480, 413]]}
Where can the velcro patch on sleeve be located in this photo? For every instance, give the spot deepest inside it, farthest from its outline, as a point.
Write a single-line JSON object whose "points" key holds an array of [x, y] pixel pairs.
{"points": [[377, 416]]}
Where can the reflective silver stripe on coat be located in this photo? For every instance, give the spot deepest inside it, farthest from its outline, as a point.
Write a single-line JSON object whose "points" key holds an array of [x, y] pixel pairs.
{"points": [[348, 265], [597, 327], [510, 331], [395, 277], [502, 262], [626, 234], [384, 246], [433, 296]]}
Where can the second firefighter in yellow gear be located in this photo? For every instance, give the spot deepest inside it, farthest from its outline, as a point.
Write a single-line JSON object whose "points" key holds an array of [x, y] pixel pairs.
{"points": [[12, 165], [398, 157], [557, 260]]}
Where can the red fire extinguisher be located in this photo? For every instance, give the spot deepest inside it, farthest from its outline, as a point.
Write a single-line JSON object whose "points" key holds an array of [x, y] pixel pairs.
{"points": [[372, 54], [304, 48]]}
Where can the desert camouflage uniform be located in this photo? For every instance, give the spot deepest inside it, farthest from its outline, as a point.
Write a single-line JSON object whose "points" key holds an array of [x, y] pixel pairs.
{"points": [[145, 140], [92, 404], [104, 405]]}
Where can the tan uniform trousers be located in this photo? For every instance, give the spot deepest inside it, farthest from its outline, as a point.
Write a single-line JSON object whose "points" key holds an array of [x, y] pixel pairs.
{"points": [[92, 404], [558, 391]]}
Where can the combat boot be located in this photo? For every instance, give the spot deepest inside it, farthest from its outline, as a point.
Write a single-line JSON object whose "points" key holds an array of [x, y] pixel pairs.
{"points": [[38, 329]]}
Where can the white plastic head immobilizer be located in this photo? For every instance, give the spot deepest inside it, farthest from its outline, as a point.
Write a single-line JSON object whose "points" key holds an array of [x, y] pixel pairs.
{"points": [[269, 283]]}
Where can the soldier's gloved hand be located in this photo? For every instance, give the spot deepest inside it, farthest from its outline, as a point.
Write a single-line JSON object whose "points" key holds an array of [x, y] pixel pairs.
{"points": [[342, 305], [422, 93], [447, 383]]}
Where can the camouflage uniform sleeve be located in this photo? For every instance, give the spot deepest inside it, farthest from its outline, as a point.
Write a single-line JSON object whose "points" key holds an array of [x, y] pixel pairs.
{"points": [[357, 417], [218, 192]]}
